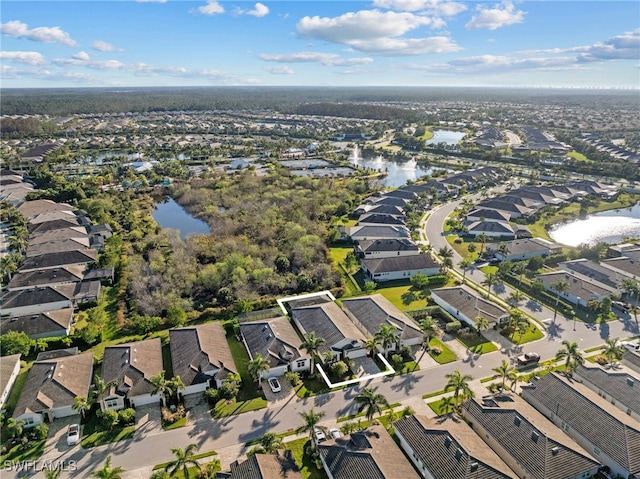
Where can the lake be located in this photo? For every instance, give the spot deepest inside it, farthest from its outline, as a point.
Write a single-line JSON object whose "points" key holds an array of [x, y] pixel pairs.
{"points": [[608, 226], [169, 214], [446, 136]]}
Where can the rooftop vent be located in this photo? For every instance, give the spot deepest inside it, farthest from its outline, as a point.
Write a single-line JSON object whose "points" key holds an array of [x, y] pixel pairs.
{"points": [[458, 454], [555, 450], [516, 421], [630, 381], [534, 436], [447, 441], [473, 466]]}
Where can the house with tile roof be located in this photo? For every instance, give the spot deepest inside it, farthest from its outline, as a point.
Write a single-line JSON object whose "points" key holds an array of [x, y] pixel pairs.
{"points": [[466, 305], [342, 338], [369, 313], [526, 440], [131, 366], [386, 248], [447, 448], [280, 465], [368, 454], [277, 341], [52, 384], [201, 356], [580, 290], [47, 324], [399, 267], [631, 359], [607, 433], [9, 370]]}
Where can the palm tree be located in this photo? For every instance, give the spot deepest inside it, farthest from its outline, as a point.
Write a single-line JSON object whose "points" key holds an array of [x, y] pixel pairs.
{"points": [[270, 442], [571, 354], [100, 387], [613, 350], [311, 344], [257, 366], [447, 404], [371, 345], [447, 264], [371, 401], [165, 387], [82, 405], [518, 322], [490, 278], [464, 265], [445, 252], [52, 473], [632, 287], [515, 297], [559, 286], [387, 336], [108, 472], [503, 249], [311, 420], [482, 324], [460, 384], [482, 237], [14, 427], [506, 371], [429, 330], [184, 459], [519, 269]]}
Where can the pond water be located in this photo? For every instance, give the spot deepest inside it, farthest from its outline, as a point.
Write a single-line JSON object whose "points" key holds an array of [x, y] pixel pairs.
{"points": [[398, 172], [608, 226], [169, 214], [446, 136]]}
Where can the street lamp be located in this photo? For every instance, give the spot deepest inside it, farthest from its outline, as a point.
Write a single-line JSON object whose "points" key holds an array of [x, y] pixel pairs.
{"points": [[575, 313]]}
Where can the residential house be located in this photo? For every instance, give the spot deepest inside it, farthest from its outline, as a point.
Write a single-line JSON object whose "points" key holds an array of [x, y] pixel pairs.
{"points": [[369, 313], [32, 301], [53, 216], [625, 266], [607, 433], [29, 209], [522, 249], [56, 225], [131, 366], [580, 290], [370, 454], [447, 448], [400, 193], [466, 305], [516, 211], [386, 248], [71, 244], [276, 341], [87, 292], [631, 359], [342, 337], [41, 325], [77, 232], [46, 277], [363, 233], [280, 465], [52, 384], [486, 214], [607, 278], [379, 219], [619, 388], [9, 370], [596, 188], [58, 260], [527, 441], [201, 356], [15, 193], [399, 267], [389, 200], [492, 229]]}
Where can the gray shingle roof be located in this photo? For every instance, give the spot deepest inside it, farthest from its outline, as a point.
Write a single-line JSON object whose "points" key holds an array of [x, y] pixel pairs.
{"points": [[400, 263], [67, 274], [370, 454], [450, 449], [470, 303], [69, 244], [604, 425], [7, 365], [199, 349], [632, 359], [132, 365], [531, 439], [280, 465], [274, 339], [620, 386], [381, 219], [37, 296], [54, 260], [50, 323], [387, 245], [378, 232]]}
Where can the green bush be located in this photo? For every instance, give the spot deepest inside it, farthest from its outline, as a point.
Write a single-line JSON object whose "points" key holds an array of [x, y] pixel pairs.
{"points": [[453, 326], [109, 419], [127, 417], [293, 378], [41, 431], [212, 396], [438, 280]]}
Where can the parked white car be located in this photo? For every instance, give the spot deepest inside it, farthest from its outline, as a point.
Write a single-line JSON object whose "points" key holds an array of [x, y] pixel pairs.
{"points": [[631, 346], [334, 433], [274, 384], [319, 434], [73, 434]]}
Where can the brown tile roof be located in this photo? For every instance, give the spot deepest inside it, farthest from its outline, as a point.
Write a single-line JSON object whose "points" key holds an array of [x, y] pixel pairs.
{"points": [[274, 339], [132, 365], [54, 383], [51, 323], [37, 207], [196, 350], [280, 465]]}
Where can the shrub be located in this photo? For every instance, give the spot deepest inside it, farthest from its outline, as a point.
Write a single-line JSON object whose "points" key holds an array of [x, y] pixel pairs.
{"points": [[406, 352], [339, 368], [293, 378], [458, 240], [435, 350], [396, 359], [169, 417], [602, 360], [453, 326], [109, 419], [212, 396], [127, 416], [229, 390], [41, 431]]}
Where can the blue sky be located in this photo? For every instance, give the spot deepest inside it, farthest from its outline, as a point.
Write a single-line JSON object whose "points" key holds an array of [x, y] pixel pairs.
{"points": [[586, 44]]}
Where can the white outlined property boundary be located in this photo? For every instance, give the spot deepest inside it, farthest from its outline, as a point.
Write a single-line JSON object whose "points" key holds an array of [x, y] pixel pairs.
{"points": [[331, 385], [303, 296]]}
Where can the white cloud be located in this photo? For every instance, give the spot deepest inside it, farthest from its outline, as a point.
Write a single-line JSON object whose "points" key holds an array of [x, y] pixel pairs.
{"points": [[434, 7], [18, 29], [82, 56], [408, 46], [259, 10], [30, 58], [620, 47], [211, 8], [493, 18], [104, 46], [279, 70], [328, 59]]}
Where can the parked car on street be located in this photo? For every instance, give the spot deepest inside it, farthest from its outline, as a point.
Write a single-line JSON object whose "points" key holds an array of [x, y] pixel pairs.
{"points": [[631, 346], [334, 433], [319, 435], [274, 384], [73, 434], [528, 358]]}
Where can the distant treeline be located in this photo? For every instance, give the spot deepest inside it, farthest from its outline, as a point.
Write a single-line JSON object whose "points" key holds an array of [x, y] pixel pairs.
{"points": [[61, 102], [357, 110]]}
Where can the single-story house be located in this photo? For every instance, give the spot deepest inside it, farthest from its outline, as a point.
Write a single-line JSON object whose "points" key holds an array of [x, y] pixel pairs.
{"points": [[369, 313], [631, 359], [77, 232], [516, 211], [41, 325], [492, 229], [386, 248], [486, 214], [526, 440], [362, 233], [628, 266], [466, 305], [70, 244], [56, 224], [52, 384], [607, 278], [9, 370], [31, 301], [399, 267], [593, 422], [276, 341], [447, 447], [329, 322], [46, 277], [380, 219], [280, 465], [522, 249], [87, 292], [60, 259], [201, 356], [32, 208], [580, 290], [372, 453], [131, 366]]}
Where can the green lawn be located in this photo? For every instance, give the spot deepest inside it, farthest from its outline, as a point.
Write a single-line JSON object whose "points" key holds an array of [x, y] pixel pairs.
{"points": [[477, 344], [436, 406], [311, 387], [532, 334], [224, 408], [175, 425], [446, 356], [338, 253], [402, 295], [93, 434], [241, 359], [16, 454], [307, 466], [202, 455], [489, 269], [577, 156], [430, 395]]}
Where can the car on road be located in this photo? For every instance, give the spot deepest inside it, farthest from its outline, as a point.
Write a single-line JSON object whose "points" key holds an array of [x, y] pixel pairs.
{"points": [[334, 433], [619, 305], [73, 434], [319, 435], [528, 358], [631, 346], [274, 384]]}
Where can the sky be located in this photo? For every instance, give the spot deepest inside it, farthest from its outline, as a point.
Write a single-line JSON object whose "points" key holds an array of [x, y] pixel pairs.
{"points": [[128, 43]]}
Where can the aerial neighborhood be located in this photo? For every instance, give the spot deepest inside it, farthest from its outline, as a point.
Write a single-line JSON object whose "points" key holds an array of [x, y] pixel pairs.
{"points": [[249, 293]]}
